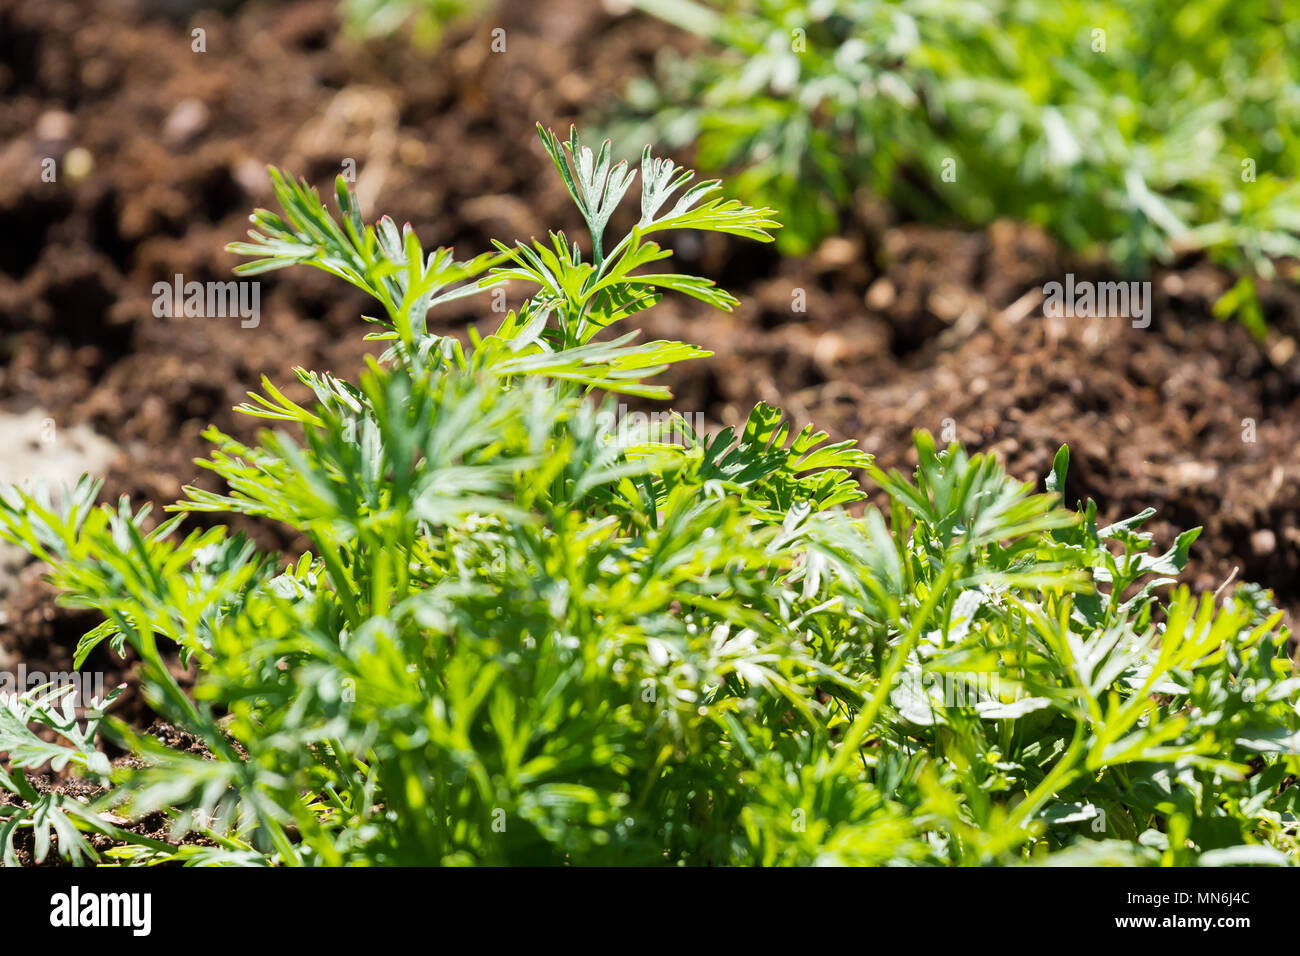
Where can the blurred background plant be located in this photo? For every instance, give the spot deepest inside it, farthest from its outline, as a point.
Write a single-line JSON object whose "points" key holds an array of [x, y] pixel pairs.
{"points": [[423, 19], [1137, 130]]}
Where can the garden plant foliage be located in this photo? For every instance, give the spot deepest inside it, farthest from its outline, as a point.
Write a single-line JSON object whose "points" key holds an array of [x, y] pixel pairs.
{"points": [[1139, 128], [423, 20], [521, 638]]}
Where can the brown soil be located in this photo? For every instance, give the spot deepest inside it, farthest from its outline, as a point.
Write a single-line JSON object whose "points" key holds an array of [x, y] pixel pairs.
{"points": [[160, 152]]}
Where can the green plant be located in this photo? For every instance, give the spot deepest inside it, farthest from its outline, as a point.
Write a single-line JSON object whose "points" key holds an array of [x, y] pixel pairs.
{"points": [[1124, 126], [519, 638], [425, 20]]}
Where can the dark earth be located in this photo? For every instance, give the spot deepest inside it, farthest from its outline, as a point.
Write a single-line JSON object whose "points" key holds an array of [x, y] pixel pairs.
{"points": [[161, 153]]}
